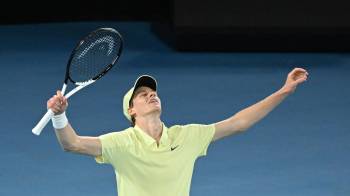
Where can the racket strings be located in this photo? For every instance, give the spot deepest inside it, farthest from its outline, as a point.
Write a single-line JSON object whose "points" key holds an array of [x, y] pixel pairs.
{"points": [[94, 56]]}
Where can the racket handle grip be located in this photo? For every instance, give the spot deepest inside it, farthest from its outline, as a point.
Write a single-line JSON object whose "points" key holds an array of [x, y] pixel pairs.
{"points": [[43, 122]]}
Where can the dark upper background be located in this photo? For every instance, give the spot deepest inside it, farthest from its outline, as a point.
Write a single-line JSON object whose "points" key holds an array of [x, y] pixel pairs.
{"points": [[211, 25], [78, 10]]}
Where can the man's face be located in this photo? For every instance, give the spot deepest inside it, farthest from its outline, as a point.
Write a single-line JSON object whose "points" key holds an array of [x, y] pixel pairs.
{"points": [[144, 102]]}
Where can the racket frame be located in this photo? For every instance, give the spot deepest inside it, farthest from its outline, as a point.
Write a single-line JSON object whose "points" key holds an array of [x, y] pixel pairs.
{"points": [[79, 85]]}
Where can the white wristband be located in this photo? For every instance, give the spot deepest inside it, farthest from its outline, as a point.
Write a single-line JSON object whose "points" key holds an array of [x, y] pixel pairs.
{"points": [[60, 121]]}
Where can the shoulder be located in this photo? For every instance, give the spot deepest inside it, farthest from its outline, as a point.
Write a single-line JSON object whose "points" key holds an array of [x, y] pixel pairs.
{"points": [[190, 128], [117, 134], [120, 138]]}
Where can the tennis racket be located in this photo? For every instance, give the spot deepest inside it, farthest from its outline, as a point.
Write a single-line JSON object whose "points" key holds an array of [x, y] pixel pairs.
{"points": [[91, 59]]}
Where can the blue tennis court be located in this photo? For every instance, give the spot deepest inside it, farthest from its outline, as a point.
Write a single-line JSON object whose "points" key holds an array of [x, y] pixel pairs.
{"points": [[301, 148]]}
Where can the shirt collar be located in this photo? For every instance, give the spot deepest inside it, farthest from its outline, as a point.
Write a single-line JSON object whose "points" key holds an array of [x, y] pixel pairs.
{"points": [[148, 140]]}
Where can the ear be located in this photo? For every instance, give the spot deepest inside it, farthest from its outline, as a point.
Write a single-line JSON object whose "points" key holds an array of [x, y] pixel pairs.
{"points": [[131, 111]]}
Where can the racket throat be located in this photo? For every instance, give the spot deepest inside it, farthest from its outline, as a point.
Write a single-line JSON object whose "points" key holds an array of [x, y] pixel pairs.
{"points": [[79, 87], [64, 87]]}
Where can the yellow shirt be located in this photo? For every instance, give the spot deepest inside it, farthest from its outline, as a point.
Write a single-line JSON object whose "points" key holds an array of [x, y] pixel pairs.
{"points": [[144, 169]]}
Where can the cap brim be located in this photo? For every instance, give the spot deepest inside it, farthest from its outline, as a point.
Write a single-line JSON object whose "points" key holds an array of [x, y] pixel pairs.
{"points": [[146, 80]]}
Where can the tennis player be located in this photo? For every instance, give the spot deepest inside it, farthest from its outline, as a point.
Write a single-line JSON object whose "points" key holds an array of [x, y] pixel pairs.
{"points": [[149, 158]]}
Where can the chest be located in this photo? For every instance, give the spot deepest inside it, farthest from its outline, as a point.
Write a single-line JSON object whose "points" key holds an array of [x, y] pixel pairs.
{"points": [[164, 163]]}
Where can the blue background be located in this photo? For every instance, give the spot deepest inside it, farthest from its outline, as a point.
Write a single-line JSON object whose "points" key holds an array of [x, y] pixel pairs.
{"points": [[301, 148]]}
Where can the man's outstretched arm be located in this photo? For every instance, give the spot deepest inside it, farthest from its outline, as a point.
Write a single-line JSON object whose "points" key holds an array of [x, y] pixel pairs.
{"points": [[247, 117]]}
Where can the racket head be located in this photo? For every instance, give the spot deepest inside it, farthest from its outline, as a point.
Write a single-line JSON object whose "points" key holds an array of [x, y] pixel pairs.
{"points": [[94, 56]]}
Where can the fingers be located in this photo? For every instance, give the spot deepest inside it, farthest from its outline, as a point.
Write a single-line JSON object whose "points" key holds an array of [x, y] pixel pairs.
{"points": [[298, 71], [57, 103], [57, 108], [59, 96], [53, 104], [298, 75], [62, 99], [301, 79]]}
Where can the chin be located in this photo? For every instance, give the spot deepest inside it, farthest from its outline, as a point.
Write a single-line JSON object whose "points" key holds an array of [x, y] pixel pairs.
{"points": [[157, 109]]}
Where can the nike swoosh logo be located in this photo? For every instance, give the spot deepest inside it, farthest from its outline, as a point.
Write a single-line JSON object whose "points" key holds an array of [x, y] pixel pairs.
{"points": [[173, 148]]}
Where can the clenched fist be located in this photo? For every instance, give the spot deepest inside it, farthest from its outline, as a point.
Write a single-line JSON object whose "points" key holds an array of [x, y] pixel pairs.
{"points": [[58, 103]]}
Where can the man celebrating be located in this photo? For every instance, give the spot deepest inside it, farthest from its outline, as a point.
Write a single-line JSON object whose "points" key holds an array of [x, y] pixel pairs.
{"points": [[149, 158]]}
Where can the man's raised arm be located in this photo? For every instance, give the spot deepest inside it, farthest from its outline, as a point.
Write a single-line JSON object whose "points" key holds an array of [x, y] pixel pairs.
{"points": [[66, 135], [247, 117]]}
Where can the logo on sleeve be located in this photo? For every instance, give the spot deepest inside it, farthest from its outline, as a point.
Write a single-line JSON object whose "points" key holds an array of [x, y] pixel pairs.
{"points": [[173, 148]]}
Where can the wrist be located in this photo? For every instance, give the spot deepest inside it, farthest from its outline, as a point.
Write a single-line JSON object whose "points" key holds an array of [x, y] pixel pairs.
{"points": [[284, 91], [59, 121]]}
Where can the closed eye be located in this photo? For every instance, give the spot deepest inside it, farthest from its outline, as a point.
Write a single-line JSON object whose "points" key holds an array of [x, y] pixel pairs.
{"points": [[143, 94]]}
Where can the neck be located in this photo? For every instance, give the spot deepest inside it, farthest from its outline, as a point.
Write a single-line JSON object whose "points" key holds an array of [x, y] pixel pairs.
{"points": [[152, 126]]}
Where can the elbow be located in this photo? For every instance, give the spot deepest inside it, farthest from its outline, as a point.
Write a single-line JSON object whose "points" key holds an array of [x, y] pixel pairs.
{"points": [[236, 126], [69, 147], [241, 129], [242, 126]]}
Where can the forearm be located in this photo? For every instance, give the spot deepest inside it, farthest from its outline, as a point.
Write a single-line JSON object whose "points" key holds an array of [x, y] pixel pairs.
{"points": [[251, 115], [66, 137]]}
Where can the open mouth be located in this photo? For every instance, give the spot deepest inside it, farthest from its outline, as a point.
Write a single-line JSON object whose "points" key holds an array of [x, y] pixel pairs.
{"points": [[153, 101]]}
